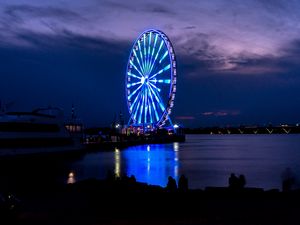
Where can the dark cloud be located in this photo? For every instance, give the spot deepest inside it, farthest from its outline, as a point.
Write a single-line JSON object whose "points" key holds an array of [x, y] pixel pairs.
{"points": [[292, 49], [159, 9], [67, 39], [201, 58], [21, 12], [198, 46], [190, 27], [284, 65], [139, 7], [120, 6], [18, 22]]}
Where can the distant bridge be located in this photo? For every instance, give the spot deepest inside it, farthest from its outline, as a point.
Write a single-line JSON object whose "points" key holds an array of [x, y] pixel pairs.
{"points": [[245, 130]]}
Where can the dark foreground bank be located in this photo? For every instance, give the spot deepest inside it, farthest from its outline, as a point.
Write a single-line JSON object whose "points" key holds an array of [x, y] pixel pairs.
{"points": [[124, 201]]}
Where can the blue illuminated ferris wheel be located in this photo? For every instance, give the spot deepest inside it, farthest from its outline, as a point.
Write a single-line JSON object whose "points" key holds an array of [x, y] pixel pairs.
{"points": [[151, 80]]}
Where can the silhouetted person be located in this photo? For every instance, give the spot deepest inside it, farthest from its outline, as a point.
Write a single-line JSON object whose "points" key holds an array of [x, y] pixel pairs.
{"points": [[171, 185], [288, 179], [124, 177], [183, 183], [132, 179], [131, 182], [233, 181], [241, 181]]}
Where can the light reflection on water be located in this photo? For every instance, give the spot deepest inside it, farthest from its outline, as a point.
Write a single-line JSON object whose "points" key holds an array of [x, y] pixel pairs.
{"points": [[152, 164], [117, 169]]}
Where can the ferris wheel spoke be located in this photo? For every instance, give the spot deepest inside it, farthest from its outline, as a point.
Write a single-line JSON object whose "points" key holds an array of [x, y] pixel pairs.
{"points": [[141, 55], [153, 105], [136, 110], [164, 56], [149, 105], [149, 51], [144, 40], [154, 45], [146, 104], [158, 89], [142, 108], [133, 84], [129, 97], [134, 75], [137, 58], [134, 66], [158, 99], [161, 71], [145, 53], [147, 45], [164, 81], [135, 100], [155, 58], [153, 50]]}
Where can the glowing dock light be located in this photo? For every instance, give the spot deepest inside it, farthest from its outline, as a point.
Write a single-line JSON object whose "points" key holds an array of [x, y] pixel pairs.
{"points": [[71, 174], [71, 178]]}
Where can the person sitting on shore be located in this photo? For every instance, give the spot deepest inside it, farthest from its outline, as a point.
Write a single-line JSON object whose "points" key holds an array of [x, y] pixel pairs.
{"points": [[233, 181], [183, 183], [237, 183], [132, 179], [288, 179], [171, 185], [241, 181]]}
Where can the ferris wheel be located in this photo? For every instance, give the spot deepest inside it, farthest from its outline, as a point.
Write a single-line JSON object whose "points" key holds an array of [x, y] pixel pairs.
{"points": [[151, 80]]}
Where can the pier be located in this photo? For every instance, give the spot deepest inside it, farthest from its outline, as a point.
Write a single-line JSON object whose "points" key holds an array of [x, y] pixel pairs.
{"points": [[106, 138]]}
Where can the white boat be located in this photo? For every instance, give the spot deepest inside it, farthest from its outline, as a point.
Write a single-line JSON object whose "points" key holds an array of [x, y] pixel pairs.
{"points": [[41, 131]]}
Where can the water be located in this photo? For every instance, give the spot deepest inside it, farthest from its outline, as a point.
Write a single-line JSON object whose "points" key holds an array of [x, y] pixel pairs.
{"points": [[206, 160]]}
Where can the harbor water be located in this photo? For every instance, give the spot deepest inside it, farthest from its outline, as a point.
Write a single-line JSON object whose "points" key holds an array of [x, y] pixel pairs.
{"points": [[206, 160]]}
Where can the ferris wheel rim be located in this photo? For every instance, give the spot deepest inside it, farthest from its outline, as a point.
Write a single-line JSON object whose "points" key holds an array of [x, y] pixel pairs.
{"points": [[168, 105]]}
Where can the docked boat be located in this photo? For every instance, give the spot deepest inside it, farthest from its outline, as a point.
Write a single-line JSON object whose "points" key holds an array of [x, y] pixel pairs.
{"points": [[43, 130]]}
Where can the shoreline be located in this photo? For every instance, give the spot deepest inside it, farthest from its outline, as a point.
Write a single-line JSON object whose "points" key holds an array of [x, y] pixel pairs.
{"points": [[122, 201]]}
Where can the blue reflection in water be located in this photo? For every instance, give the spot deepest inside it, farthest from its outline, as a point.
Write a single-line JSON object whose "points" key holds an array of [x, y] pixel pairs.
{"points": [[152, 164]]}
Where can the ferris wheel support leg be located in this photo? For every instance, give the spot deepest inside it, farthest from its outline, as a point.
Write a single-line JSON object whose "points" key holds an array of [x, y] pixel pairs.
{"points": [[129, 121]]}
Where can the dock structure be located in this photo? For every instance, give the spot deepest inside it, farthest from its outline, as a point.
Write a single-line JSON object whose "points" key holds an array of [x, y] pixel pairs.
{"points": [[118, 137]]}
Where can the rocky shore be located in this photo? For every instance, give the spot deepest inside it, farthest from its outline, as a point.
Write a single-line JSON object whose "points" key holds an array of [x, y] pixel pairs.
{"points": [[124, 201]]}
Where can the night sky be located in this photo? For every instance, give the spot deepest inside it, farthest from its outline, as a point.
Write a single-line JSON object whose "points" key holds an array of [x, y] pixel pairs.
{"points": [[238, 61]]}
